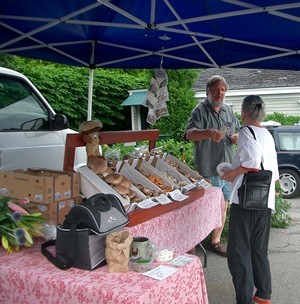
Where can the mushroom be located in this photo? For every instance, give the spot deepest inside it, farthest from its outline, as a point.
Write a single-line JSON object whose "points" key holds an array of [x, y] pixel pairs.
{"points": [[113, 178], [135, 199], [90, 126], [108, 171], [122, 190], [97, 165], [113, 164], [140, 187], [126, 182], [131, 194], [95, 161]]}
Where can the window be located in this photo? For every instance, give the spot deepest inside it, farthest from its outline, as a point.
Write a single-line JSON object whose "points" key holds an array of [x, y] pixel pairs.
{"points": [[20, 109], [289, 141]]}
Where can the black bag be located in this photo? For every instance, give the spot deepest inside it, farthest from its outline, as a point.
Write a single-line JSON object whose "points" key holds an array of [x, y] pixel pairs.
{"points": [[80, 241], [254, 191]]}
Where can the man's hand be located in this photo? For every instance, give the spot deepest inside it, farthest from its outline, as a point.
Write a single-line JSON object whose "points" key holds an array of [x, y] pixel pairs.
{"points": [[216, 135]]}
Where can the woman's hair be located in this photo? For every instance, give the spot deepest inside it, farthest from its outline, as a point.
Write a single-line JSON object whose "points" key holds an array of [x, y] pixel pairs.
{"points": [[254, 108]]}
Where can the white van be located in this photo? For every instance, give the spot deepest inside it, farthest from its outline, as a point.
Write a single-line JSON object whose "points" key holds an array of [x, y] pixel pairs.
{"points": [[31, 133]]}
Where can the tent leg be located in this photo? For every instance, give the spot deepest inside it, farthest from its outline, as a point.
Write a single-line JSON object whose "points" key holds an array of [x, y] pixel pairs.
{"points": [[90, 95]]}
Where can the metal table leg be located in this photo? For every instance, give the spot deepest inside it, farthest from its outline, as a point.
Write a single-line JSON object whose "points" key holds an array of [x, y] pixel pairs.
{"points": [[205, 254]]}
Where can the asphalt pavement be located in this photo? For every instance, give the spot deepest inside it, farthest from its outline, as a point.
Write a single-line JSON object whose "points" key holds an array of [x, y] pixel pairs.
{"points": [[284, 256]]}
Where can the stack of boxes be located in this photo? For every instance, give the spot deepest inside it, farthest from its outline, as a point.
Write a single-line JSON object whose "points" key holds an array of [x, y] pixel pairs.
{"points": [[53, 193]]}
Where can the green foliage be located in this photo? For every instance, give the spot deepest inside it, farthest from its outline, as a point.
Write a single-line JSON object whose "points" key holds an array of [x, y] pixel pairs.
{"points": [[17, 225], [110, 90], [120, 151], [283, 118], [174, 147], [66, 89], [170, 146], [281, 219]]}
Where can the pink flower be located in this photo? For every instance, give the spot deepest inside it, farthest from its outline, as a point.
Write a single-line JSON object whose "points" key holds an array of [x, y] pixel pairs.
{"points": [[16, 208], [24, 201]]}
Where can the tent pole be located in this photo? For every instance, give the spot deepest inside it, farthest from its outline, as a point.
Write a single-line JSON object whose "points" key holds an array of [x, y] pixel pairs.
{"points": [[90, 94]]}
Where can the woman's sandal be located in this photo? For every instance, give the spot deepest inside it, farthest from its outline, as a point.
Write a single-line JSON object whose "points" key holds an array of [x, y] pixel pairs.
{"points": [[218, 249]]}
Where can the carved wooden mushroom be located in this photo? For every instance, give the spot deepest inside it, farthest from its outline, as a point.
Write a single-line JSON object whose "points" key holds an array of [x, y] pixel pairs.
{"points": [[95, 161]]}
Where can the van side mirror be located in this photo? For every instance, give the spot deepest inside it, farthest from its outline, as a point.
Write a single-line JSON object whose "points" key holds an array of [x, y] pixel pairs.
{"points": [[60, 122]]}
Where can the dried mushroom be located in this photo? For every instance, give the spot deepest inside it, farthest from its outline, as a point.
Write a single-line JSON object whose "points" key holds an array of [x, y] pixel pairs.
{"points": [[122, 190], [113, 178]]}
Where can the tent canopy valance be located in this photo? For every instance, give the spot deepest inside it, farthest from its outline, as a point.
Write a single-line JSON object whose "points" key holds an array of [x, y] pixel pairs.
{"points": [[154, 33]]}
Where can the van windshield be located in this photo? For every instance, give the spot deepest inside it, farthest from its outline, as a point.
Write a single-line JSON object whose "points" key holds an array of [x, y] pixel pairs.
{"points": [[20, 109]]}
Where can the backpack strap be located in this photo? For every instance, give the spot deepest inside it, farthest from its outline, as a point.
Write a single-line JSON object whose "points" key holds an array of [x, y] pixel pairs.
{"points": [[72, 242], [253, 134]]}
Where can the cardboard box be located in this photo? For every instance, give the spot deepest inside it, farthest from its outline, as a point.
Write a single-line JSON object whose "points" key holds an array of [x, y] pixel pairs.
{"points": [[40, 185], [54, 212]]}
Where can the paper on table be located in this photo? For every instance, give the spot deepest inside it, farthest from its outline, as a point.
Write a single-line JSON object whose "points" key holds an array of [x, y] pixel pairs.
{"points": [[145, 204], [203, 183], [163, 199], [160, 272], [176, 195], [189, 187], [180, 260], [200, 184]]}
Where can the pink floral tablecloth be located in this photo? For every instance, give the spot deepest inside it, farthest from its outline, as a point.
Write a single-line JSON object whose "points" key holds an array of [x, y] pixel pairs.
{"points": [[185, 227], [27, 277]]}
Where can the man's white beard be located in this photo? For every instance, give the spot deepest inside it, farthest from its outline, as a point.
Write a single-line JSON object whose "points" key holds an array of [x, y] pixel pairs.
{"points": [[215, 103]]}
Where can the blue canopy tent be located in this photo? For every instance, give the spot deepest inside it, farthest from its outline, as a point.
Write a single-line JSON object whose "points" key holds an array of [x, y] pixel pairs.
{"points": [[172, 34]]}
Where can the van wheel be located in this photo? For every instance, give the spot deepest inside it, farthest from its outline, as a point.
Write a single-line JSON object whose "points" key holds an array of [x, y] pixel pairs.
{"points": [[289, 182]]}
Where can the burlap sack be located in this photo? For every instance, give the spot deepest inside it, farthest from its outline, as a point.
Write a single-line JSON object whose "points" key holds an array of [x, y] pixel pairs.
{"points": [[117, 251]]}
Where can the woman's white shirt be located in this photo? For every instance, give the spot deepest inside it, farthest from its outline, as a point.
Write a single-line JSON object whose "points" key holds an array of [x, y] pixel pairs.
{"points": [[249, 155]]}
